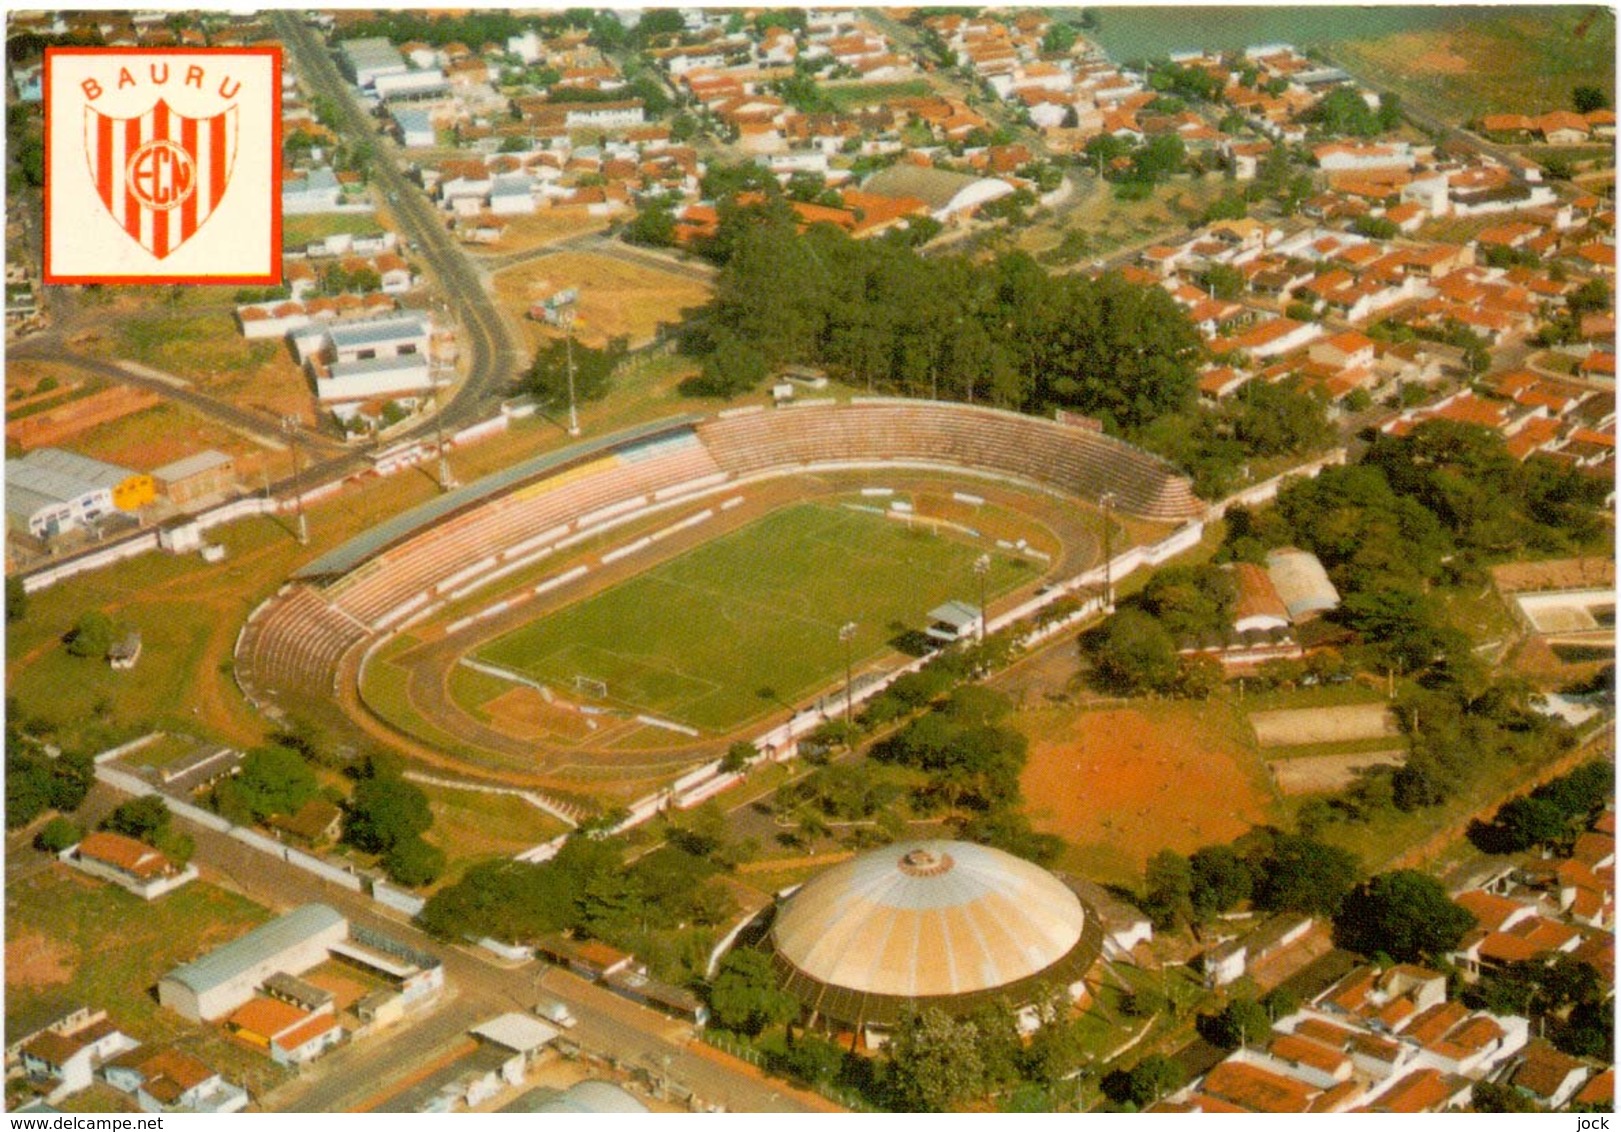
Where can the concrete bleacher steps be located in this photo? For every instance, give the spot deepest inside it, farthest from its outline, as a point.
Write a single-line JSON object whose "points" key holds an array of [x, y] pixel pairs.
{"points": [[1072, 460], [303, 633]]}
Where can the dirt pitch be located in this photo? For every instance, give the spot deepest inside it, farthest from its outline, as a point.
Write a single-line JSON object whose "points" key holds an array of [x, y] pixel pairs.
{"points": [[525, 713], [35, 960], [617, 299], [1303, 726], [1316, 774], [1129, 783]]}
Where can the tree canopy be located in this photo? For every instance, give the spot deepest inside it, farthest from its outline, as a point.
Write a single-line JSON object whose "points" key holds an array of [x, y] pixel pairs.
{"points": [[1405, 914], [271, 780], [1300, 874], [745, 998], [1006, 333], [384, 811]]}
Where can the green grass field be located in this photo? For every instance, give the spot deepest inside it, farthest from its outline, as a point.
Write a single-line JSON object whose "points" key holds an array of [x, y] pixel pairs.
{"points": [[58, 927], [701, 638]]}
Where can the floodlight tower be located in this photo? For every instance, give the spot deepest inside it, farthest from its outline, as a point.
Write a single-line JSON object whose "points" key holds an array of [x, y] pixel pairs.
{"points": [[982, 568], [847, 635], [573, 413], [289, 425], [1105, 501]]}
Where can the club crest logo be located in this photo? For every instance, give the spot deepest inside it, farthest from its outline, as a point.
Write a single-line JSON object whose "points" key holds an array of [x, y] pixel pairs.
{"points": [[160, 175], [177, 174]]}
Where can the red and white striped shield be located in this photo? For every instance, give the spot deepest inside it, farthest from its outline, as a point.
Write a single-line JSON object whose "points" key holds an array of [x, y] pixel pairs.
{"points": [[161, 175]]}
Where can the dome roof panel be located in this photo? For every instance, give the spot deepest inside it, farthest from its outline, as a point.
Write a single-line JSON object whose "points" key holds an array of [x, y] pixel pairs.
{"points": [[929, 918]]}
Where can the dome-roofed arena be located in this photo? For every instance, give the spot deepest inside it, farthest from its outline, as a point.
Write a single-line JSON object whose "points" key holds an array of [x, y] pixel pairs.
{"points": [[921, 924]]}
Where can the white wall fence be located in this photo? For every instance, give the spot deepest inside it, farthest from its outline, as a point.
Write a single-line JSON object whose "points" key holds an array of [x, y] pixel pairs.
{"points": [[149, 540], [1267, 490], [134, 784], [396, 898]]}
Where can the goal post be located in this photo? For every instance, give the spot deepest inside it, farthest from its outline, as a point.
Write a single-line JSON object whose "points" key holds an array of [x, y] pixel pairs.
{"points": [[587, 686]]}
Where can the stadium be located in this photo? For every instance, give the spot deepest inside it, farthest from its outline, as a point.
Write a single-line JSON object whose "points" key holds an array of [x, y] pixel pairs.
{"points": [[597, 619]]}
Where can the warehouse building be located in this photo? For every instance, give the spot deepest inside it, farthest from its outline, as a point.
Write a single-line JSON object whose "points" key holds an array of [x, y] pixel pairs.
{"points": [[50, 491], [202, 475], [216, 984]]}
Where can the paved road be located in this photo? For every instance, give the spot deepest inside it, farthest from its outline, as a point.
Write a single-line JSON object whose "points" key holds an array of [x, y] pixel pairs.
{"points": [[493, 354], [608, 1025], [263, 426]]}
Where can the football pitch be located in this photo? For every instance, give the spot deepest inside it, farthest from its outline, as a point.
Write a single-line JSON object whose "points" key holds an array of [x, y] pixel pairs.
{"points": [[749, 623]]}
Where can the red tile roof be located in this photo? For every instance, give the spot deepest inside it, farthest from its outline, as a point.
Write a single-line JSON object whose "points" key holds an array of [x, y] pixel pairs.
{"points": [[125, 854], [267, 1017], [1256, 1089]]}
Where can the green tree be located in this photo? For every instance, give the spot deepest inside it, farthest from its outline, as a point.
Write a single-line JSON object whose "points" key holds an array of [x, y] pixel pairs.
{"points": [[934, 1063], [1219, 880], [813, 1060], [1135, 653], [1168, 889], [92, 635], [1524, 822], [1146, 1082], [1243, 1021], [745, 998], [1301, 874], [272, 780], [383, 812], [145, 818], [547, 379], [414, 862], [654, 225], [1059, 39], [1587, 99], [1405, 914], [58, 834], [16, 599]]}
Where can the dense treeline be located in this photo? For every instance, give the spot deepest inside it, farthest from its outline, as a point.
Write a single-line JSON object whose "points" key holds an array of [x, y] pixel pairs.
{"points": [[1005, 333], [1002, 332], [1416, 519], [649, 905]]}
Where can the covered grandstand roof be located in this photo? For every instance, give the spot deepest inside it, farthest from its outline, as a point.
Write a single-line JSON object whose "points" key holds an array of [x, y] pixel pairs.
{"points": [[362, 547], [946, 923]]}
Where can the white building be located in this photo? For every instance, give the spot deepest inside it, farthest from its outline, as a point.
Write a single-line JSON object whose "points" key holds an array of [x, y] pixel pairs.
{"points": [[217, 983], [604, 115], [367, 60], [316, 191], [411, 84], [415, 127]]}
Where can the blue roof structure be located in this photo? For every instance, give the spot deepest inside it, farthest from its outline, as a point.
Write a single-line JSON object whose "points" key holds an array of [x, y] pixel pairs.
{"points": [[403, 526]]}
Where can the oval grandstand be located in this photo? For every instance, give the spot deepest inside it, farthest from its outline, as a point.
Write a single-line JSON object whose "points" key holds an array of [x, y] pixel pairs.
{"points": [[412, 565]]}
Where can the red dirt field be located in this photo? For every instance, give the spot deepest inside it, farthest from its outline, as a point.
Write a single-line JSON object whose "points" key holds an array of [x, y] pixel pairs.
{"points": [[1121, 784], [525, 713], [35, 960]]}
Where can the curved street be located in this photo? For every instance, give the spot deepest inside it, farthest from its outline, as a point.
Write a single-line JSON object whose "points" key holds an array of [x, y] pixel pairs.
{"points": [[493, 357]]}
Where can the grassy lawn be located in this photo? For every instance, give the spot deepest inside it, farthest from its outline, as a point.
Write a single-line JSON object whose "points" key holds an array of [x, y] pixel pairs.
{"points": [[296, 231], [1391, 833], [697, 638], [161, 751], [470, 825], [845, 98], [65, 919], [1510, 60], [190, 343]]}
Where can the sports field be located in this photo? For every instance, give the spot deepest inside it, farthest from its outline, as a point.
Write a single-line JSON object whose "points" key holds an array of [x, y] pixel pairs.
{"points": [[749, 623]]}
